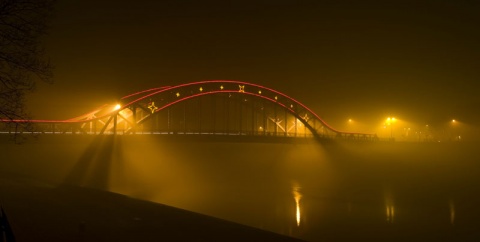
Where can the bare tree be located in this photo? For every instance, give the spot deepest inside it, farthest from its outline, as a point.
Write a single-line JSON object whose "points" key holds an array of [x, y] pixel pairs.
{"points": [[22, 58]]}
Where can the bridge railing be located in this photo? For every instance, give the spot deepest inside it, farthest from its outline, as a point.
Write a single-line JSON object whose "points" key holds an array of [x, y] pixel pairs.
{"points": [[218, 107], [52, 128]]}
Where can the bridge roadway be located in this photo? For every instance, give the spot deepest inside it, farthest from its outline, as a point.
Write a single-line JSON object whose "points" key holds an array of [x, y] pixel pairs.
{"points": [[243, 110]]}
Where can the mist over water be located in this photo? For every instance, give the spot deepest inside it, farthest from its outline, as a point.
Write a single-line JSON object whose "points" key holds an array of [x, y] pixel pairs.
{"points": [[309, 190]]}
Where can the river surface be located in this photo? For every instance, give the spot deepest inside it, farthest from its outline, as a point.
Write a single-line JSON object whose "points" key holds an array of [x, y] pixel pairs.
{"points": [[313, 191]]}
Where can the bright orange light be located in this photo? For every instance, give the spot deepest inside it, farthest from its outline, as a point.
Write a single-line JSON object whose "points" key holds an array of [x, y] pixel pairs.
{"points": [[297, 196], [454, 121], [391, 120], [117, 107]]}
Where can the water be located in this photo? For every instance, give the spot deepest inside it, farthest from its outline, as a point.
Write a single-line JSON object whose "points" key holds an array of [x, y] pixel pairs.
{"points": [[317, 192]]}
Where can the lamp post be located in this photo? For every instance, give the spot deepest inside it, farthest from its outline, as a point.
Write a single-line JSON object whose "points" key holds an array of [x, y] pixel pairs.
{"points": [[390, 122], [455, 130]]}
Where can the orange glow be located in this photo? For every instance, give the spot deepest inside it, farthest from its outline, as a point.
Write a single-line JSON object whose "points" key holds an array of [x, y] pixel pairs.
{"points": [[390, 213], [452, 211], [297, 196], [391, 120], [117, 107], [389, 207]]}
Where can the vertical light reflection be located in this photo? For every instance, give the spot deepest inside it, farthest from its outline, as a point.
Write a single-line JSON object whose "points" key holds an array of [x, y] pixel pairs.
{"points": [[389, 207], [297, 196], [390, 213], [452, 211]]}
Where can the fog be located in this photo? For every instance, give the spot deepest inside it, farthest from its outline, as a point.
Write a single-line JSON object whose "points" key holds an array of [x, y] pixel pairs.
{"points": [[310, 190]]}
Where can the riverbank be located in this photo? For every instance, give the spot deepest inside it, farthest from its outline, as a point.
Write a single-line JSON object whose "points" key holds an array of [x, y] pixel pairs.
{"points": [[39, 211]]}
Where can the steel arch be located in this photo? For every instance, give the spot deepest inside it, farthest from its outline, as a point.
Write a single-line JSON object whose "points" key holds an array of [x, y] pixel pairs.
{"points": [[183, 92], [108, 117]]}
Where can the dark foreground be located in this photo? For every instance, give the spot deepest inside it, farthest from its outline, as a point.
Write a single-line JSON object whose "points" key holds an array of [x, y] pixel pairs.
{"points": [[39, 212]]}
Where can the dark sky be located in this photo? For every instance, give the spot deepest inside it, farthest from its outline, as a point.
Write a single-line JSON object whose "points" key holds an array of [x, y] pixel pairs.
{"points": [[417, 60]]}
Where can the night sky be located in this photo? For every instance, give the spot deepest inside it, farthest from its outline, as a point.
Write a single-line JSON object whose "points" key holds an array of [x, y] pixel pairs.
{"points": [[365, 60]]}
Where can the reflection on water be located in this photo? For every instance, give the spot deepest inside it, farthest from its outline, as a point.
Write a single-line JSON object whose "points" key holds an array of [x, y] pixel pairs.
{"points": [[297, 196], [339, 194], [380, 192], [351, 193], [452, 211], [389, 206], [390, 212]]}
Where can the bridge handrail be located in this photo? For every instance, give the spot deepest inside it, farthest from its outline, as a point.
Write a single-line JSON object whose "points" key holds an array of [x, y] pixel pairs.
{"points": [[137, 97]]}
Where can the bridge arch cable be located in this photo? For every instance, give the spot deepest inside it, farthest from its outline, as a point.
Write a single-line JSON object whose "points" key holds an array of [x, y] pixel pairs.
{"points": [[137, 109], [156, 100]]}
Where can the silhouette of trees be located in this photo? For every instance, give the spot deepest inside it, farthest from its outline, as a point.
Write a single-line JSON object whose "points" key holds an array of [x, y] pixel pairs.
{"points": [[22, 58]]}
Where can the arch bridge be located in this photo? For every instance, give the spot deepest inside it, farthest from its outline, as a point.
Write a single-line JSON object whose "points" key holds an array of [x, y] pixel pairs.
{"points": [[217, 107]]}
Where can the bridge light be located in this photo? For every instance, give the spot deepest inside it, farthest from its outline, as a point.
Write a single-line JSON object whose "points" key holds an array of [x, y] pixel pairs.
{"points": [[152, 107], [117, 107], [177, 94], [241, 88], [306, 117], [260, 92], [221, 87], [276, 98], [201, 89]]}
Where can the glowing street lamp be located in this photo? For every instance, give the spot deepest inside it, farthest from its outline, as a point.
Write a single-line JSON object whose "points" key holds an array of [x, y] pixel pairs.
{"points": [[390, 121], [350, 124], [455, 125]]}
